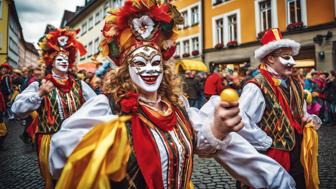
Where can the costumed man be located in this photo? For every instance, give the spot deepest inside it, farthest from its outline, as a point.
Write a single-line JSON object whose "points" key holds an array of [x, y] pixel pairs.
{"points": [[150, 139], [5, 86], [57, 96], [274, 111]]}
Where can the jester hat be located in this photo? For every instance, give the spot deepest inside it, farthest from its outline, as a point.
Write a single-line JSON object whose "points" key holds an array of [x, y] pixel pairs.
{"points": [[138, 23], [61, 40]]}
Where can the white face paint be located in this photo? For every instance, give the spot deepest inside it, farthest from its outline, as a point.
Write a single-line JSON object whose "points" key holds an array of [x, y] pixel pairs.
{"points": [[62, 40], [61, 62], [287, 61], [145, 68]]}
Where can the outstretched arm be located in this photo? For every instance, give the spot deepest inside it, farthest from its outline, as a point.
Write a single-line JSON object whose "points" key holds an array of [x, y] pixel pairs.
{"points": [[94, 111], [234, 153]]}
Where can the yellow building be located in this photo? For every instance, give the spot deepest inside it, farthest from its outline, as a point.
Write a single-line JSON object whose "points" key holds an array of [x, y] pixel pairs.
{"points": [[232, 27], [3, 30], [189, 44]]}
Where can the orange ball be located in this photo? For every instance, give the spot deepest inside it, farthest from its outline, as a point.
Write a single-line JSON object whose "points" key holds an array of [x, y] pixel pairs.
{"points": [[229, 95]]}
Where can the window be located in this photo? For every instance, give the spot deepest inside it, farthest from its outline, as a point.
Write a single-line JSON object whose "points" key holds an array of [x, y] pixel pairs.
{"points": [[90, 22], [294, 11], [96, 46], [194, 15], [232, 24], [185, 18], [97, 17], [226, 28], [1, 8], [117, 3], [186, 47], [84, 28], [219, 31], [265, 15], [13, 46], [90, 50], [217, 2], [83, 57], [195, 44], [106, 6], [178, 49]]}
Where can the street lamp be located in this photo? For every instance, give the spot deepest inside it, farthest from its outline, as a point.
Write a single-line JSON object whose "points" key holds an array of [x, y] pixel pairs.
{"points": [[319, 40]]}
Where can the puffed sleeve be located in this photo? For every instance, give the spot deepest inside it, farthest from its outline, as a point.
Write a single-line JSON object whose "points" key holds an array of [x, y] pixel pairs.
{"points": [[87, 91], [234, 153], [27, 101], [252, 107], [94, 111]]}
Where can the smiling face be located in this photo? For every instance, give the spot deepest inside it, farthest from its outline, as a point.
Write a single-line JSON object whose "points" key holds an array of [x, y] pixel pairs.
{"points": [[282, 61], [145, 68], [61, 62]]}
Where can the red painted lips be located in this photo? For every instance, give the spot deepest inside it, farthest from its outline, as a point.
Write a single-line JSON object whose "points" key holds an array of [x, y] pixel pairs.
{"points": [[150, 80]]}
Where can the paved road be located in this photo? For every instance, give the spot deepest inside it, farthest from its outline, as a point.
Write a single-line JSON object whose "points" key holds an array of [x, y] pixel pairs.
{"points": [[18, 164]]}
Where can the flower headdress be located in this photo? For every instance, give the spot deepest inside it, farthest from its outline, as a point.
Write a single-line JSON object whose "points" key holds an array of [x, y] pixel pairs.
{"points": [[137, 23], [61, 40]]}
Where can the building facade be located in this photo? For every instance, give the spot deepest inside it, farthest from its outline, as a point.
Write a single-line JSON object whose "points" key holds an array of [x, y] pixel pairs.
{"points": [[89, 19], [13, 47], [232, 29], [3, 30], [31, 56], [189, 44]]}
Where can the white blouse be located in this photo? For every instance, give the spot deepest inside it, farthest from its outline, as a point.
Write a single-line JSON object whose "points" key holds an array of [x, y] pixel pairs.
{"points": [[234, 153], [29, 100]]}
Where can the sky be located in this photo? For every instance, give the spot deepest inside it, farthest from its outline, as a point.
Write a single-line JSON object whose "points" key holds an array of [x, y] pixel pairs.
{"points": [[34, 15]]}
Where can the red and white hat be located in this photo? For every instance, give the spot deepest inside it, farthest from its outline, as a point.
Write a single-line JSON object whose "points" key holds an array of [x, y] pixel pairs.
{"points": [[273, 40]]}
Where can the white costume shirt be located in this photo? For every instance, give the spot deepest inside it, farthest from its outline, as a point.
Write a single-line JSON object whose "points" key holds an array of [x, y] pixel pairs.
{"points": [[29, 100], [234, 153]]}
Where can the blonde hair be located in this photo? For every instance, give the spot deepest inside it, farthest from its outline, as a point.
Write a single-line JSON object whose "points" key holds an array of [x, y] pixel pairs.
{"points": [[118, 82]]}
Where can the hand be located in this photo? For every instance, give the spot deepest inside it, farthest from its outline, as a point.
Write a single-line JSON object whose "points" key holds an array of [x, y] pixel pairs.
{"points": [[45, 88], [226, 119]]}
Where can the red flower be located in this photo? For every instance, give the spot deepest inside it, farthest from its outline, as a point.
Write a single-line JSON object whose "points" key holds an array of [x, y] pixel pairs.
{"points": [[129, 104]]}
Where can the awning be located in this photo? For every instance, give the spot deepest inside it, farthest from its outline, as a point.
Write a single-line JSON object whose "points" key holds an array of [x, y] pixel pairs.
{"points": [[191, 65], [305, 63]]}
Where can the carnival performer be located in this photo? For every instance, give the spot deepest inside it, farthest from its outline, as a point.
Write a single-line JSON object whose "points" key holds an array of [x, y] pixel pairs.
{"points": [[274, 110], [58, 95], [5, 86], [145, 135]]}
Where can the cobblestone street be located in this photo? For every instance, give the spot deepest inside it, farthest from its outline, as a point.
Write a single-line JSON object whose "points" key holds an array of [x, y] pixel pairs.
{"points": [[19, 167]]}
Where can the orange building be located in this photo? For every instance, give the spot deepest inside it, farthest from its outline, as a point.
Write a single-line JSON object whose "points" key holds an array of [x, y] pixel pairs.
{"points": [[189, 44], [231, 30]]}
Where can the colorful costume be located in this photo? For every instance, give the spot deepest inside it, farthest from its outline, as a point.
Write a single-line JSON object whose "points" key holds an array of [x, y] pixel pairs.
{"points": [[5, 91], [273, 109], [140, 145], [62, 101]]}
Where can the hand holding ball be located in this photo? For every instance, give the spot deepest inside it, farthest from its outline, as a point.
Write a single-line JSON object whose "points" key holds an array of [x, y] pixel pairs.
{"points": [[229, 95]]}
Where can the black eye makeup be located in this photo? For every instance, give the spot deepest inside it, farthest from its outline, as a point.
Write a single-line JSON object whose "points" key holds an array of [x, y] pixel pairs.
{"points": [[286, 57]]}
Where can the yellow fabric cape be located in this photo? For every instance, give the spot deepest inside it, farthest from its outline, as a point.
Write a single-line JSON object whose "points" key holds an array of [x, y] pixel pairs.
{"points": [[101, 156], [44, 161], [309, 152]]}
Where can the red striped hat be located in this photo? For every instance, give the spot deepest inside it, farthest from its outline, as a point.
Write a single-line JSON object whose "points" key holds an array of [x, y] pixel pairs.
{"points": [[273, 40]]}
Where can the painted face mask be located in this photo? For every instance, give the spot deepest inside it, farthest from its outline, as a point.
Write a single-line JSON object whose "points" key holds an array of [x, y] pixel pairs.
{"points": [[145, 68], [287, 61], [61, 62]]}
